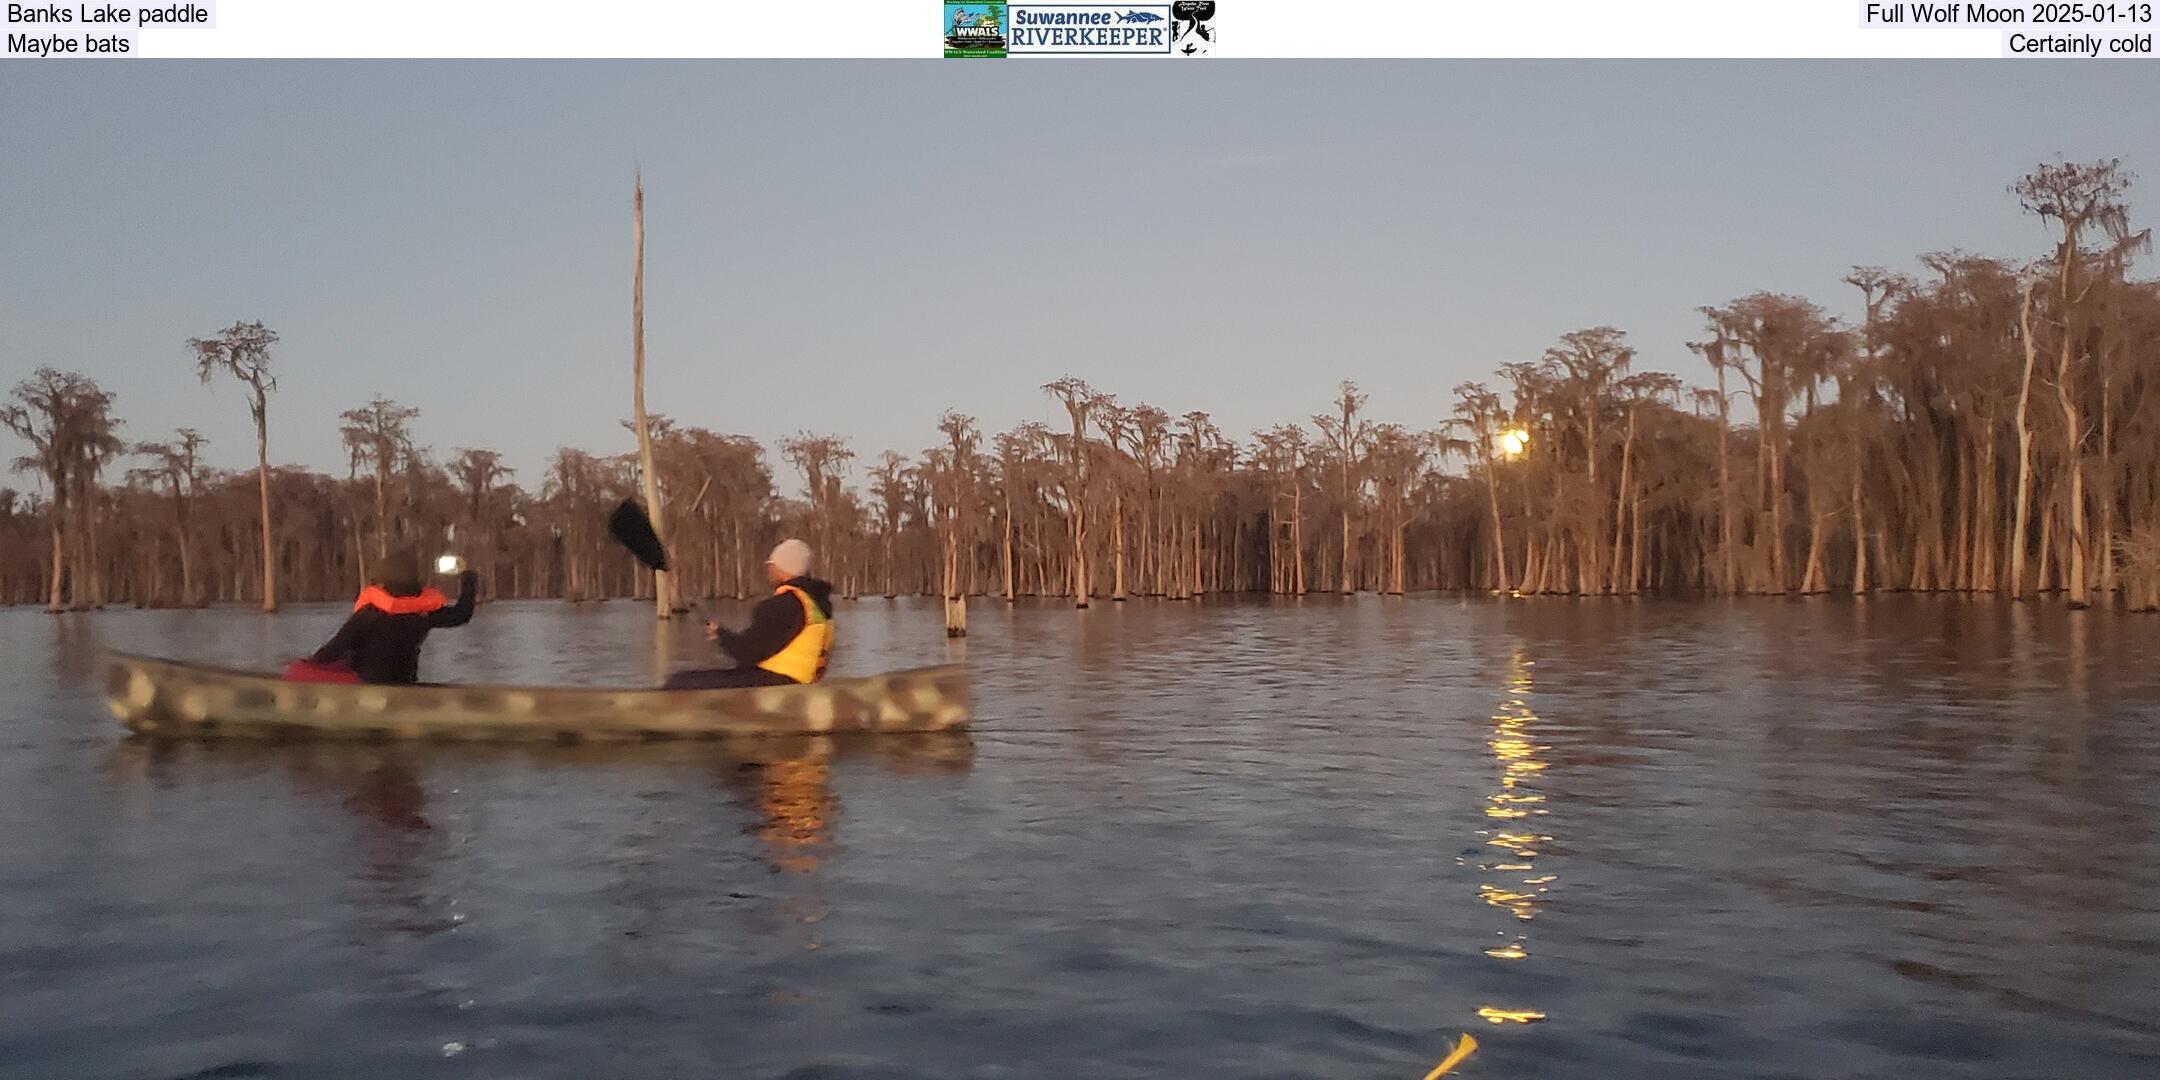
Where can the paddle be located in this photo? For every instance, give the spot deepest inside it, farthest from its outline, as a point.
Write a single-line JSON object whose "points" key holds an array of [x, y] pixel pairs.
{"points": [[632, 529]]}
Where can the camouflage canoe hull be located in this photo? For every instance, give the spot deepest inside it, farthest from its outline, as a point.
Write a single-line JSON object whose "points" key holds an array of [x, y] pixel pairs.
{"points": [[153, 696]]}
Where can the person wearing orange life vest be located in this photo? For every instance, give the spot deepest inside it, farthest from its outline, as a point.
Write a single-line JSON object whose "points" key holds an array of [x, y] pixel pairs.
{"points": [[790, 637], [381, 640]]}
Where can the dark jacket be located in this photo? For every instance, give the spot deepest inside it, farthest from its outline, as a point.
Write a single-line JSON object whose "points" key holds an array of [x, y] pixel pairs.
{"points": [[385, 648], [774, 622]]}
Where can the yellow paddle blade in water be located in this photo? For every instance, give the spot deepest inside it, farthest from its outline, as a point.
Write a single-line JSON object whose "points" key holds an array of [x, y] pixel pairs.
{"points": [[1462, 1051]]}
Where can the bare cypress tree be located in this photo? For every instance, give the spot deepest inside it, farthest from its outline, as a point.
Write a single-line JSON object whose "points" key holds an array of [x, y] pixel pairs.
{"points": [[242, 350], [2079, 197], [1080, 403], [952, 471], [821, 458], [177, 465], [65, 418], [1347, 435], [648, 473], [378, 437]]}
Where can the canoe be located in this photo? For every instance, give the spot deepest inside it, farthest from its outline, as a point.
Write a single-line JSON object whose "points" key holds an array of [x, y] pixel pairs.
{"points": [[166, 697]]}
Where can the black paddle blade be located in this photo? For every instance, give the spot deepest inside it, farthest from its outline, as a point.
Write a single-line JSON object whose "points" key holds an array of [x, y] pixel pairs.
{"points": [[632, 529]]}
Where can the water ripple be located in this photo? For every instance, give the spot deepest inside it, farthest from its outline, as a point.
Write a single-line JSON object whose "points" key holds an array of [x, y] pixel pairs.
{"points": [[1323, 838]]}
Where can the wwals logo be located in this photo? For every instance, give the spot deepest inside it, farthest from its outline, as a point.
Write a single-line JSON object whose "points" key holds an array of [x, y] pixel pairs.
{"points": [[974, 29]]}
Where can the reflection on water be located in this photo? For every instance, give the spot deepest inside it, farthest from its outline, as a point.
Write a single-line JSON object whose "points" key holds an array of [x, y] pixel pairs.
{"points": [[1907, 837], [798, 807], [394, 849], [1515, 811], [796, 812]]}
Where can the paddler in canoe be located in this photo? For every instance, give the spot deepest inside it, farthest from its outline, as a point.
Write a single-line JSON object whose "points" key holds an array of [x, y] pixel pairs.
{"points": [[380, 642], [789, 695], [790, 637]]}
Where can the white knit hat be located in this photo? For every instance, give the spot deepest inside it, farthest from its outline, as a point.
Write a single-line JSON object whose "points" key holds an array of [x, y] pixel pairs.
{"points": [[792, 557]]}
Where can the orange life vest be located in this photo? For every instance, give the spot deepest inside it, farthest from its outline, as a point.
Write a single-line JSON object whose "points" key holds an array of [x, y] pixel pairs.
{"points": [[379, 598], [804, 658]]}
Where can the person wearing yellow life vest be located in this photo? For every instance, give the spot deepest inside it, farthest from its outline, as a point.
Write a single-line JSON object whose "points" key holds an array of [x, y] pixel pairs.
{"points": [[790, 637]]}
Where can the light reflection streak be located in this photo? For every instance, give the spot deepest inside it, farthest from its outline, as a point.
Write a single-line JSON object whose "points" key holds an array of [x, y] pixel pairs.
{"points": [[795, 801], [1511, 1016], [1515, 749]]}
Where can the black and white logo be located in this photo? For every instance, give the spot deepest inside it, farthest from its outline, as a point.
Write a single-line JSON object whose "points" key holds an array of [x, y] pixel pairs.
{"points": [[1192, 27]]}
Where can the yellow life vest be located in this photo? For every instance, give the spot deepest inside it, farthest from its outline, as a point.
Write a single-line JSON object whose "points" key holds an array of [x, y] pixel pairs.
{"points": [[804, 658]]}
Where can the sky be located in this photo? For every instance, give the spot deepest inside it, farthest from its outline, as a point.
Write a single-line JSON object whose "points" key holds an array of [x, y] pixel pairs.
{"points": [[854, 247]]}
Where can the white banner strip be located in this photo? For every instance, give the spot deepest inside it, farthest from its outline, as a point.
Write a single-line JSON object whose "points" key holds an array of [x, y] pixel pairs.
{"points": [[1279, 29]]}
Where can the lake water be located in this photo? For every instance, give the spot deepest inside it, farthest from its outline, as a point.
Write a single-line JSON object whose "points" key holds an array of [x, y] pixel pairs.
{"points": [[1903, 837]]}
